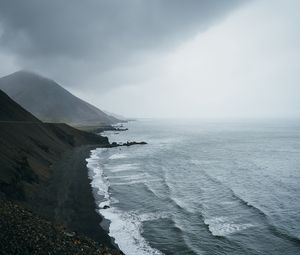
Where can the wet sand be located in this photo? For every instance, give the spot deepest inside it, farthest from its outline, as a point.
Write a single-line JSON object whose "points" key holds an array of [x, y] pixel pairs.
{"points": [[67, 198]]}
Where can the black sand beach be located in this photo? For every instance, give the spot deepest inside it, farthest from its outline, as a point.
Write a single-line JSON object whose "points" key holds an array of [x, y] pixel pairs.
{"points": [[61, 218], [43, 173], [67, 197]]}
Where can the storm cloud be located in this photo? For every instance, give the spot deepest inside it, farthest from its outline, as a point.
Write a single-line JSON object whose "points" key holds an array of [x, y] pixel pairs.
{"points": [[85, 43]]}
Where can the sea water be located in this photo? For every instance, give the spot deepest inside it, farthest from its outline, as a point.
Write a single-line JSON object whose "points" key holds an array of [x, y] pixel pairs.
{"points": [[201, 187]]}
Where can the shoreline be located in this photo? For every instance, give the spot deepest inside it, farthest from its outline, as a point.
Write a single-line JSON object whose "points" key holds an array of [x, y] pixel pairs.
{"points": [[124, 226], [68, 197], [43, 173]]}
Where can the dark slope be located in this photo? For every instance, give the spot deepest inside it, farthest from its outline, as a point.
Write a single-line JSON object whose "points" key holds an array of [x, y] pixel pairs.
{"points": [[50, 102], [9, 111], [29, 147], [42, 167]]}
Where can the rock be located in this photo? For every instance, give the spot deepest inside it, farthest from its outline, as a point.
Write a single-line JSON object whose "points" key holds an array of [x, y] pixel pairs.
{"points": [[22, 232], [114, 144], [133, 143], [69, 234]]}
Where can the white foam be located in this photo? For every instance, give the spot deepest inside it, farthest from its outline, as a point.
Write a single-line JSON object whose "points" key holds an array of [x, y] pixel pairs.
{"points": [[99, 182], [154, 216], [122, 167], [118, 156], [135, 182], [126, 228], [132, 179], [139, 176], [223, 226]]}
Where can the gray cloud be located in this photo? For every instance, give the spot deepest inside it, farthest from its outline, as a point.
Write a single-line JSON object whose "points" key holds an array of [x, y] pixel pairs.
{"points": [[73, 41]]}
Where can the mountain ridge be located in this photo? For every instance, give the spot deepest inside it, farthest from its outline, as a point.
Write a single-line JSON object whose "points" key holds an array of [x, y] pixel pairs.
{"points": [[43, 168], [50, 102]]}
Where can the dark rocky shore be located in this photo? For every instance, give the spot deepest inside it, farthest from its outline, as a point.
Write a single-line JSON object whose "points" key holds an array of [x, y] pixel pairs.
{"points": [[25, 233], [114, 144], [47, 206], [98, 130], [67, 197]]}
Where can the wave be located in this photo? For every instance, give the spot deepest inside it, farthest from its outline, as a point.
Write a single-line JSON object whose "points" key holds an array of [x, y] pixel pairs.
{"points": [[223, 226], [176, 203], [153, 191], [125, 227], [284, 235], [138, 176], [272, 228], [135, 182], [98, 181], [132, 179], [118, 156], [122, 167]]}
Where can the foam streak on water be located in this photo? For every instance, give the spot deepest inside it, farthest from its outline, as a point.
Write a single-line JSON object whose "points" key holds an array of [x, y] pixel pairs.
{"points": [[125, 228], [221, 188]]}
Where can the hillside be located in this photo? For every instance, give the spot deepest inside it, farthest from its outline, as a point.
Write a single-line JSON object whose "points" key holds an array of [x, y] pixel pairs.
{"points": [[9, 111], [43, 168], [50, 102], [29, 147]]}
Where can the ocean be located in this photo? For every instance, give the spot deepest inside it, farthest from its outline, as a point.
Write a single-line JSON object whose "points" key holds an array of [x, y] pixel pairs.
{"points": [[201, 187]]}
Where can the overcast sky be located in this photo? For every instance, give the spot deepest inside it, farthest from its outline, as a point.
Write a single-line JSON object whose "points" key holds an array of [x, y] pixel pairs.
{"points": [[162, 58]]}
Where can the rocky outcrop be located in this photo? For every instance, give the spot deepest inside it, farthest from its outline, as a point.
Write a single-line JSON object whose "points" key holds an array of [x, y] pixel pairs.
{"points": [[114, 144]]}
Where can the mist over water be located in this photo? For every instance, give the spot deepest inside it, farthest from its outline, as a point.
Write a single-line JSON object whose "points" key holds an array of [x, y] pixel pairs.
{"points": [[202, 187]]}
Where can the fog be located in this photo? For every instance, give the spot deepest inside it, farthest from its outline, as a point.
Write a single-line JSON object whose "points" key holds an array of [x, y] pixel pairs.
{"points": [[246, 66], [195, 59]]}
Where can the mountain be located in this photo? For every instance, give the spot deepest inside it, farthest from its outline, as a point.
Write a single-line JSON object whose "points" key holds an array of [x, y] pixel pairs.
{"points": [[9, 111], [50, 102], [43, 169], [28, 147], [117, 116]]}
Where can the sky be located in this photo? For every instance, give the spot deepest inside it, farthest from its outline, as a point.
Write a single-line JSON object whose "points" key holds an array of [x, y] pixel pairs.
{"points": [[162, 58]]}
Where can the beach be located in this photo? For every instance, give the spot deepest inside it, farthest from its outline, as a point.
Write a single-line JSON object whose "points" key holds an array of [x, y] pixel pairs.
{"points": [[67, 198]]}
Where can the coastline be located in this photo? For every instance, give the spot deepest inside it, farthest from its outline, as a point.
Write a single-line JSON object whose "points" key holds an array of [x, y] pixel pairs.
{"points": [[124, 226], [68, 198], [44, 177]]}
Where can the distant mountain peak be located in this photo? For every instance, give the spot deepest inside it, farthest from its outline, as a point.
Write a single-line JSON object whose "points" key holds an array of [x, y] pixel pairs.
{"points": [[50, 102], [26, 73]]}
